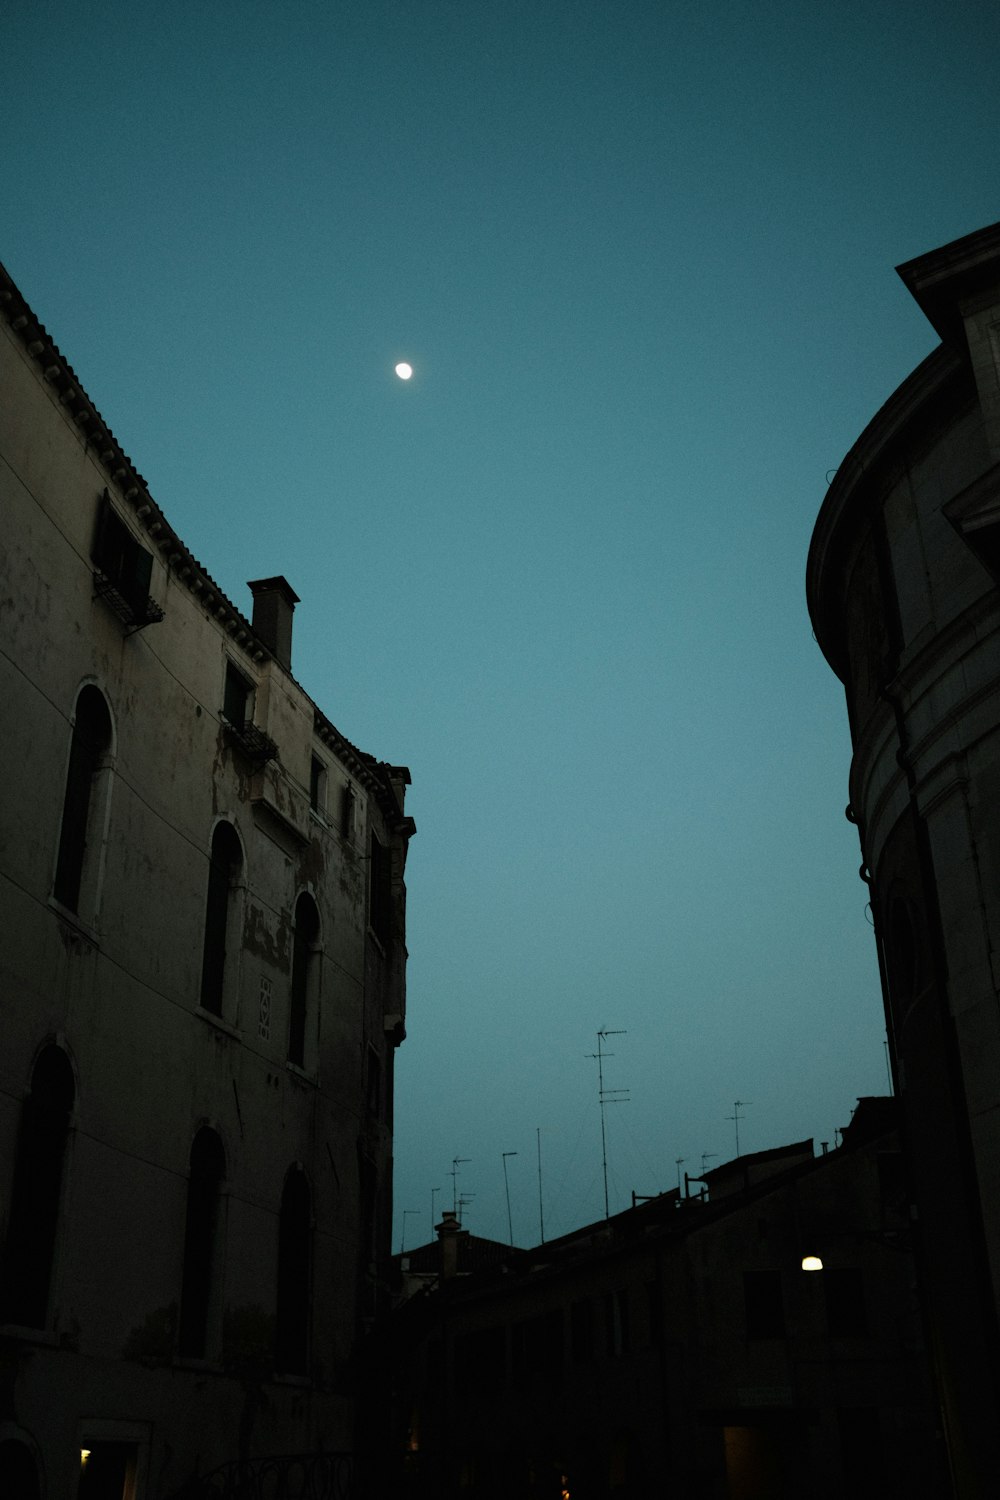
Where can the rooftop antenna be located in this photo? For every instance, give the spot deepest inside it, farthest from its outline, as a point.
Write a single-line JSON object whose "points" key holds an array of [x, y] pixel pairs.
{"points": [[434, 1193], [456, 1162], [707, 1156], [738, 1104], [605, 1097], [678, 1163], [402, 1233], [464, 1199], [510, 1229], [541, 1218]]}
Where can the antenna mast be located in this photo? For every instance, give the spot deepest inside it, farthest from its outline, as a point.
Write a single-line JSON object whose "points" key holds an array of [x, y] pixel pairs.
{"points": [[506, 1184], [456, 1162], [738, 1104], [605, 1097], [541, 1217]]}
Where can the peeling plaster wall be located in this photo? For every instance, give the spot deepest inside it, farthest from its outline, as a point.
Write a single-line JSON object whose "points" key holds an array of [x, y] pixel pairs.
{"points": [[119, 987]]}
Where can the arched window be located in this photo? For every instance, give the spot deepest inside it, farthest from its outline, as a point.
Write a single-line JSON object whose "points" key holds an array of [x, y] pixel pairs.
{"points": [[29, 1249], [83, 807], [222, 916], [294, 1299], [304, 966], [203, 1250], [18, 1471]]}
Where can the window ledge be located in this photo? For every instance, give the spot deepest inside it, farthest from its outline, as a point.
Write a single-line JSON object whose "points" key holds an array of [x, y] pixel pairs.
{"points": [[299, 1072], [219, 1022], [74, 920]]}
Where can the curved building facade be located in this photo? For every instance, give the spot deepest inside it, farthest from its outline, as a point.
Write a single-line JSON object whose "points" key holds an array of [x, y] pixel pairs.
{"points": [[903, 593]]}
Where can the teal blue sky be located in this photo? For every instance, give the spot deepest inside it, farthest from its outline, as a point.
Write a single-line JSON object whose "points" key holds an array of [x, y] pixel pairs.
{"points": [[640, 256]]}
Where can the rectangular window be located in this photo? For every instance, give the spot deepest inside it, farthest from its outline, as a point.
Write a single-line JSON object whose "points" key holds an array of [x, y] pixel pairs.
{"points": [[237, 702], [123, 568], [317, 785], [765, 1309]]}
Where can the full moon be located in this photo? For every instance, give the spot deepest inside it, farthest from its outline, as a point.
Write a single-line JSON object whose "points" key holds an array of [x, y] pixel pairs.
{"points": [[404, 371]]}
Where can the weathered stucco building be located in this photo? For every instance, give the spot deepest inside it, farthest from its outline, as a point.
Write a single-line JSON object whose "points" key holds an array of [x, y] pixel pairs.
{"points": [[202, 960], [902, 583]]}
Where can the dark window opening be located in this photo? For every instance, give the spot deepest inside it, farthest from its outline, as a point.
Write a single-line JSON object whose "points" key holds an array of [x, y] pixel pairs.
{"points": [[224, 868], [317, 785], [80, 829], [846, 1313], [202, 1250], [379, 890], [29, 1249], [124, 569], [304, 957], [107, 1471], [765, 1309], [294, 1267], [237, 701]]}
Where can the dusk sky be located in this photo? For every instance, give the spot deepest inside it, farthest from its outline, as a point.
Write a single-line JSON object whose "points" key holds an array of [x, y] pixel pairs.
{"points": [[640, 256]]}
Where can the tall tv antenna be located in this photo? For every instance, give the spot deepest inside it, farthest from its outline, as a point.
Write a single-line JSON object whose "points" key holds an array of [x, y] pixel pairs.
{"points": [[456, 1162], [506, 1186], [738, 1104], [606, 1097]]}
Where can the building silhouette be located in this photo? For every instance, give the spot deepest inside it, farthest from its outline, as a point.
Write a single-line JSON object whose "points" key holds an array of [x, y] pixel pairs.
{"points": [[680, 1348], [902, 586], [202, 911]]}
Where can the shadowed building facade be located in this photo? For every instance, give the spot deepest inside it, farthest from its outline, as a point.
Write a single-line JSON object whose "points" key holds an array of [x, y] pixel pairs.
{"points": [[679, 1348], [202, 908], [902, 586]]}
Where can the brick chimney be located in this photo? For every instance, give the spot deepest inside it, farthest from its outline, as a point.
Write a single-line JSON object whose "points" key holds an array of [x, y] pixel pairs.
{"points": [[274, 601]]}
